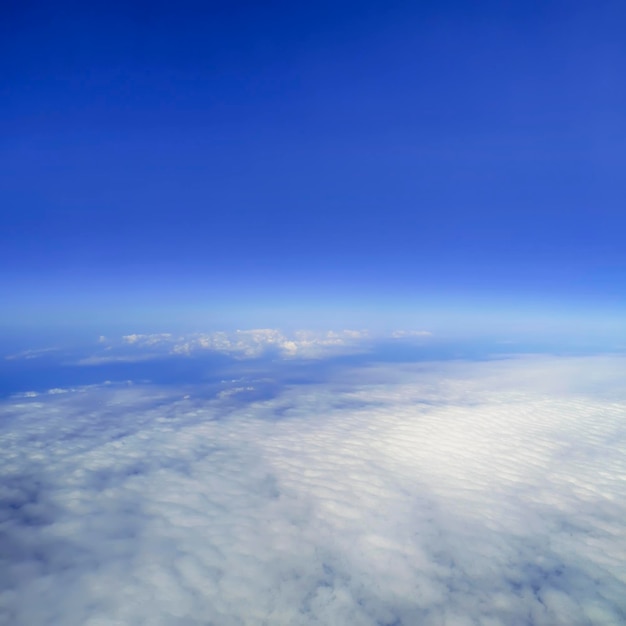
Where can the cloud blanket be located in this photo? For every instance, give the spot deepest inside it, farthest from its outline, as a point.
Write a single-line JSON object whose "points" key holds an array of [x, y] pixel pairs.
{"points": [[451, 494]]}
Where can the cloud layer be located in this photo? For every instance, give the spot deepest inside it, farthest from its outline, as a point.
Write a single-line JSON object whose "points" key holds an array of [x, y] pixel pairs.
{"points": [[454, 494], [241, 344], [254, 342]]}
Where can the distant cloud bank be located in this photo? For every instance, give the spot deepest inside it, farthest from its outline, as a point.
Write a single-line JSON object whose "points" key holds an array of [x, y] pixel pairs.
{"points": [[240, 344], [435, 494]]}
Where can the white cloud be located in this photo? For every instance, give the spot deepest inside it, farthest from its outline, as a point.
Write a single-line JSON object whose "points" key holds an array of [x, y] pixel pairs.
{"points": [[145, 340], [119, 358], [249, 343], [244, 344], [30, 354], [438, 494], [401, 334]]}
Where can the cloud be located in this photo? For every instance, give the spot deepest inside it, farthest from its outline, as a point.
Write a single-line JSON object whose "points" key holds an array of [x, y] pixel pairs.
{"points": [[461, 493], [30, 354], [246, 344], [402, 334], [145, 340], [241, 344], [119, 358]]}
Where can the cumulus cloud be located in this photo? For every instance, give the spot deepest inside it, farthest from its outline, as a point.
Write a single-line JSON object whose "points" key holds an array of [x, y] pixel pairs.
{"points": [[440, 494], [146, 340], [241, 344], [245, 344]]}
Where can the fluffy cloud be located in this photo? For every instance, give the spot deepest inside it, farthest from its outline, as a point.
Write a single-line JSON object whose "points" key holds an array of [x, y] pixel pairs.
{"points": [[145, 340], [239, 344], [441, 494], [255, 342]]}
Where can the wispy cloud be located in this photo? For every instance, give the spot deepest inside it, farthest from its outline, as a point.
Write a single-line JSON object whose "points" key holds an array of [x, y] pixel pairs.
{"points": [[118, 358], [402, 334], [30, 354]]}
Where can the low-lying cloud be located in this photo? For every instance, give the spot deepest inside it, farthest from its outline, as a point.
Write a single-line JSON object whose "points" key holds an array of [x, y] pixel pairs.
{"points": [[438, 494], [255, 342]]}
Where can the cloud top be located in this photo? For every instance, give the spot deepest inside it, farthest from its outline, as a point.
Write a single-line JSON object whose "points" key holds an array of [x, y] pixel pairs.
{"points": [[459, 493], [255, 342]]}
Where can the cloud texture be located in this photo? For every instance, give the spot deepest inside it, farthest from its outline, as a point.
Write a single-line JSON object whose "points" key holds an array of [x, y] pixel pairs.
{"points": [[253, 343], [466, 493]]}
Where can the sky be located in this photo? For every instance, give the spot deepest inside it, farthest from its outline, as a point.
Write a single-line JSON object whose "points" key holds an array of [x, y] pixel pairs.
{"points": [[221, 163], [312, 313]]}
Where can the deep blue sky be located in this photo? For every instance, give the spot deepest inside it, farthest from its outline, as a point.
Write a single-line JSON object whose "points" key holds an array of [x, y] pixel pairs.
{"points": [[200, 156]]}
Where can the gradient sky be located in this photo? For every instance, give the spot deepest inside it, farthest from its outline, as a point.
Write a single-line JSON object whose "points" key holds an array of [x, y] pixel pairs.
{"points": [[188, 161]]}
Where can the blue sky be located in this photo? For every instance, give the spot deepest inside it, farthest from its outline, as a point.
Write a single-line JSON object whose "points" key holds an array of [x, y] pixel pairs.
{"points": [[205, 162]]}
